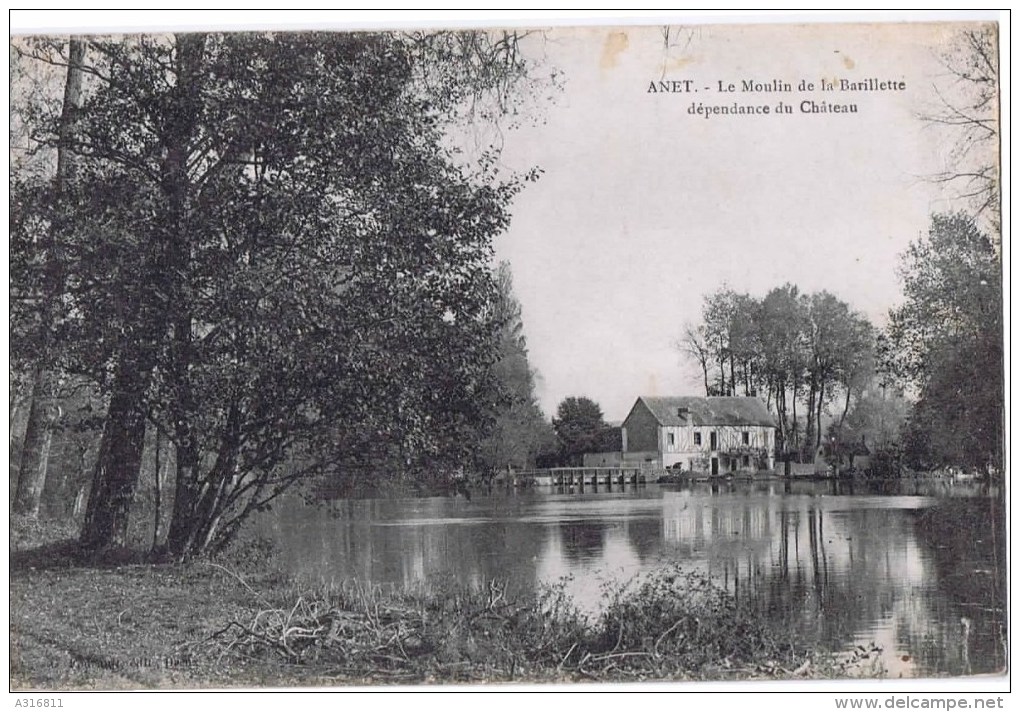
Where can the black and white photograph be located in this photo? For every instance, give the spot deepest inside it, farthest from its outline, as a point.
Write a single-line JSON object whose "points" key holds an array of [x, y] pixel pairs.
{"points": [[509, 355]]}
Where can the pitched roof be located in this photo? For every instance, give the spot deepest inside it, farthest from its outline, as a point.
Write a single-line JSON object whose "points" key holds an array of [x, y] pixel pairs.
{"points": [[714, 410]]}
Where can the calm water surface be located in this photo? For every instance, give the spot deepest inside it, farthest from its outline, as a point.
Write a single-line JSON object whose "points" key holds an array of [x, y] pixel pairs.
{"points": [[917, 568]]}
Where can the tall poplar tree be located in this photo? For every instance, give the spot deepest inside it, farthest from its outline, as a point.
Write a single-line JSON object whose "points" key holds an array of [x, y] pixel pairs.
{"points": [[42, 302]]}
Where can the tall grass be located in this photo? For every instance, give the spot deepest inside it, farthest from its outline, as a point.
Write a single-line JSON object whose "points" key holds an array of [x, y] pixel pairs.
{"points": [[669, 625]]}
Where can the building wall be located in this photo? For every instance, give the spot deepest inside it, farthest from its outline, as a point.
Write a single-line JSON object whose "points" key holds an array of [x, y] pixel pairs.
{"points": [[675, 444], [602, 459], [642, 430], [641, 458], [678, 445]]}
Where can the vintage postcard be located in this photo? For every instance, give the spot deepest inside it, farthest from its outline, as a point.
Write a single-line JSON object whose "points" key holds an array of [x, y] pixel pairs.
{"points": [[509, 354]]}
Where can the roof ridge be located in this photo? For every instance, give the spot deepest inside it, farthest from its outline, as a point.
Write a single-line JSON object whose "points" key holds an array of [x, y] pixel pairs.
{"points": [[708, 410]]}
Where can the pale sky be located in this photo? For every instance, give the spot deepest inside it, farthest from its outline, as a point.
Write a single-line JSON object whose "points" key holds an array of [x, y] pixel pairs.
{"points": [[644, 208]]}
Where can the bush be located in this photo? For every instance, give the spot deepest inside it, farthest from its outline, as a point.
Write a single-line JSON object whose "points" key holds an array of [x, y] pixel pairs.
{"points": [[672, 624], [686, 619], [884, 465]]}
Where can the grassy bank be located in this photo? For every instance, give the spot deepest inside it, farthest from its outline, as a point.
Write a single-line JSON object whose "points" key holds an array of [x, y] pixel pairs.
{"points": [[237, 622]]}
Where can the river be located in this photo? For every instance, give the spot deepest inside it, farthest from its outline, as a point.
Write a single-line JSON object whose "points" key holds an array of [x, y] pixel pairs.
{"points": [[917, 568]]}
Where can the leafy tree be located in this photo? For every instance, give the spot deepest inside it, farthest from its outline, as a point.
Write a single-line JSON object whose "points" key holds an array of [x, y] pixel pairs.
{"points": [[744, 340], [786, 347], [520, 432], [278, 261], [957, 421], [726, 343], [856, 369], [953, 290], [841, 347], [876, 418], [717, 315], [784, 356], [946, 342], [580, 428]]}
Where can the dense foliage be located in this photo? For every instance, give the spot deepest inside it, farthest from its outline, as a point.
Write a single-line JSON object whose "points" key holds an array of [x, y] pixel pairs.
{"points": [[520, 433], [946, 342], [786, 348], [269, 252], [580, 427]]}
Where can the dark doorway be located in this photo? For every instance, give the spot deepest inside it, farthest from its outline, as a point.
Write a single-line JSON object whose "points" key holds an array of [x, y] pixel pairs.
{"points": [[715, 461]]}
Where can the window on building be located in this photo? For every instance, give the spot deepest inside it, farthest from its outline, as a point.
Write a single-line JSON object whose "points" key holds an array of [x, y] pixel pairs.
{"points": [[670, 440], [747, 461], [697, 438], [747, 438]]}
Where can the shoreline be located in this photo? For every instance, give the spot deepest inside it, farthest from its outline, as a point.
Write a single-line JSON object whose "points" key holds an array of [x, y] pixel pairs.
{"points": [[239, 622]]}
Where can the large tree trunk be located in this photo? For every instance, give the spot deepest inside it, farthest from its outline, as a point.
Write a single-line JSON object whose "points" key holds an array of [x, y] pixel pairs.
{"points": [[186, 496], [794, 431], [120, 457], [781, 411], [839, 426], [43, 411], [42, 414], [17, 398], [118, 467], [158, 489], [809, 430], [187, 491], [200, 500], [818, 414]]}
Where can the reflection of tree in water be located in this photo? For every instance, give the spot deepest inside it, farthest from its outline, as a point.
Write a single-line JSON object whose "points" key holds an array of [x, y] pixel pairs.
{"points": [[901, 578], [645, 535], [407, 542], [965, 539], [583, 540], [840, 571], [842, 575], [821, 581], [508, 551]]}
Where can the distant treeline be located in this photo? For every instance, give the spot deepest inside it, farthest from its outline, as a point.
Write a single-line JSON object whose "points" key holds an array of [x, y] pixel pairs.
{"points": [[927, 389]]}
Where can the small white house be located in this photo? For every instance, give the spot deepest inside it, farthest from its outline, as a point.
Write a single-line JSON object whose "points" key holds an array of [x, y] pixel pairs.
{"points": [[717, 434]]}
